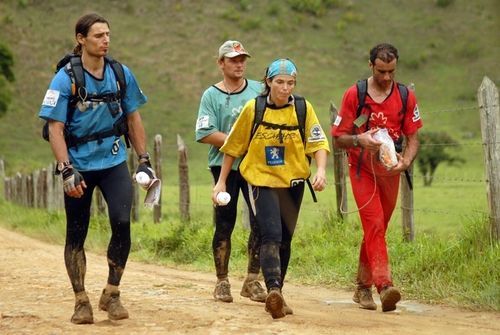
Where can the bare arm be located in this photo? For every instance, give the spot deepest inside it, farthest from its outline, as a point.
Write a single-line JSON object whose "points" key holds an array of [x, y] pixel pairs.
{"points": [[319, 180], [60, 151], [364, 140], [220, 186], [57, 143], [411, 150], [216, 139], [136, 132]]}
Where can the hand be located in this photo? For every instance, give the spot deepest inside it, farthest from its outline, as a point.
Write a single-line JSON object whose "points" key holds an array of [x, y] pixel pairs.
{"points": [[219, 187], [73, 183], [319, 180], [367, 141], [146, 168], [401, 166]]}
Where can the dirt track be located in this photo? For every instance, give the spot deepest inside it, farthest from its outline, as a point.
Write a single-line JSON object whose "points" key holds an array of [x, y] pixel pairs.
{"points": [[36, 298]]}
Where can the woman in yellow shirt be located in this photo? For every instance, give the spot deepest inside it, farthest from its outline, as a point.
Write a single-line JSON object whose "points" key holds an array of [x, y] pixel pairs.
{"points": [[276, 167]]}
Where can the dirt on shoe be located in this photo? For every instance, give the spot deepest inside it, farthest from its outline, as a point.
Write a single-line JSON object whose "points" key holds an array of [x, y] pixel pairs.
{"points": [[389, 297], [363, 296], [83, 311], [253, 289], [111, 303], [286, 308], [222, 291], [275, 303]]}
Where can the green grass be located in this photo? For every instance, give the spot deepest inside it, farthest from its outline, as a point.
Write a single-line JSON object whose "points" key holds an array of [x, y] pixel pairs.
{"points": [[171, 46], [446, 48], [459, 271]]}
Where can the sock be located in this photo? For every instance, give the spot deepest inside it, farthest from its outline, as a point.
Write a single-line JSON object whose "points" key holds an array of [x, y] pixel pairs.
{"points": [[111, 288], [252, 276]]}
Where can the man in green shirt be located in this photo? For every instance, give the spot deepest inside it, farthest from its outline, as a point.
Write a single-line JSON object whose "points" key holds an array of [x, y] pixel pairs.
{"points": [[220, 105]]}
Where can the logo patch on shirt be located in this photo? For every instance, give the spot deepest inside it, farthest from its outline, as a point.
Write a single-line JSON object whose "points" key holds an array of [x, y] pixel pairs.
{"points": [[202, 122], [416, 114], [275, 156], [316, 134], [51, 98], [337, 121]]}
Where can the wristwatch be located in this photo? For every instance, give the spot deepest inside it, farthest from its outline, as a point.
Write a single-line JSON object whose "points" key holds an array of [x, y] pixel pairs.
{"points": [[144, 157], [355, 141]]}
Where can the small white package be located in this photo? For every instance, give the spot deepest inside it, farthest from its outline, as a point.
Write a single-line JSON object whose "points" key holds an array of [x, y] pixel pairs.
{"points": [[387, 152]]}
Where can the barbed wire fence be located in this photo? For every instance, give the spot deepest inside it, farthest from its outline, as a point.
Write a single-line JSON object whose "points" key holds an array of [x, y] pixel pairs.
{"points": [[490, 138], [40, 189]]}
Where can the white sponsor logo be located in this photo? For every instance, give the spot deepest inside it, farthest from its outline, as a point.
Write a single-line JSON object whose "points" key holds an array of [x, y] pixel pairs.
{"points": [[202, 122], [337, 120], [51, 98], [416, 114], [316, 134]]}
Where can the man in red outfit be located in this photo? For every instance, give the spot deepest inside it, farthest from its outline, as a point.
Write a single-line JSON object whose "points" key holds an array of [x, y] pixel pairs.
{"points": [[375, 187]]}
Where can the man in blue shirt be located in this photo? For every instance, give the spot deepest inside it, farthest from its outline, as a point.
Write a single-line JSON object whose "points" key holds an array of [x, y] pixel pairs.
{"points": [[220, 106], [97, 159]]}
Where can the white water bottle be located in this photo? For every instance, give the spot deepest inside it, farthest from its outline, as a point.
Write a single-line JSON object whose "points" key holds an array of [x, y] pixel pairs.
{"points": [[223, 198], [142, 179]]}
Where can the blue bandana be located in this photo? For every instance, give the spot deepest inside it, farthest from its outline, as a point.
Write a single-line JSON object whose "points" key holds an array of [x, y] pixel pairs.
{"points": [[281, 66]]}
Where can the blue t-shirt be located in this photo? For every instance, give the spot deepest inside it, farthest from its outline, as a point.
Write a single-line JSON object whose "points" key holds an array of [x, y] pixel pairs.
{"points": [[93, 155], [218, 111]]}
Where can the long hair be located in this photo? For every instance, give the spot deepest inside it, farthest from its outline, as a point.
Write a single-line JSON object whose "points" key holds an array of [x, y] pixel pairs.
{"points": [[83, 26]]}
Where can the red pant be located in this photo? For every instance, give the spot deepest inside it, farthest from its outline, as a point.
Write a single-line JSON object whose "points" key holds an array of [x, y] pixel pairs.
{"points": [[376, 205]]}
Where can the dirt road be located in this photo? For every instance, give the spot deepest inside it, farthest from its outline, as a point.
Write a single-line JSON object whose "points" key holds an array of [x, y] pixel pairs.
{"points": [[35, 298]]}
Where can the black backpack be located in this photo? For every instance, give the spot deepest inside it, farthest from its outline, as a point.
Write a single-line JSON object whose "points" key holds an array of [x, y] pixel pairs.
{"points": [[73, 66], [361, 86], [300, 110]]}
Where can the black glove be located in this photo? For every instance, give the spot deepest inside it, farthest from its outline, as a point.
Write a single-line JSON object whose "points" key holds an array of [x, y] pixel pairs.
{"points": [[146, 167], [71, 178]]}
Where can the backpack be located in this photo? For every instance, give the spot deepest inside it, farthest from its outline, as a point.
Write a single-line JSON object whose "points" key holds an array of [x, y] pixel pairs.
{"points": [[361, 86], [73, 66], [300, 110]]}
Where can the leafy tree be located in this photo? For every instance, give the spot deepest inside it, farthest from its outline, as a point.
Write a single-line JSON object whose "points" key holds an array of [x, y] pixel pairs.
{"points": [[434, 147], [6, 75]]}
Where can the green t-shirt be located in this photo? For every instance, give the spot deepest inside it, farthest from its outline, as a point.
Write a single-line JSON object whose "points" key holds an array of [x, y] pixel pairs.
{"points": [[218, 111]]}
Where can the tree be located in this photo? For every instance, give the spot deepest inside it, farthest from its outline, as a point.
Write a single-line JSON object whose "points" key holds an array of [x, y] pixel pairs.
{"points": [[434, 151], [6, 75]]}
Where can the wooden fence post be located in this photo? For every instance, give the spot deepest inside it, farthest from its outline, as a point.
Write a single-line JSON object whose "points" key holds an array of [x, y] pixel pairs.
{"points": [[339, 170], [2, 169], [42, 184], [407, 199], [487, 96], [7, 188], [132, 165], [183, 179], [157, 168]]}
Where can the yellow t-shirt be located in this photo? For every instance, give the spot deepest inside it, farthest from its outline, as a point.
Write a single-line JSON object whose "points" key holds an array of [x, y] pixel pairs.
{"points": [[273, 159]]}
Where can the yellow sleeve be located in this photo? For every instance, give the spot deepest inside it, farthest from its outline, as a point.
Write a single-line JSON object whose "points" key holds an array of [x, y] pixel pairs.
{"points": [[315, 136]]}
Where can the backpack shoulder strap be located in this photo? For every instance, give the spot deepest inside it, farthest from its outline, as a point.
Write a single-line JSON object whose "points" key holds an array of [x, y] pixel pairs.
{"points": [[76, 72], [301, 110], [74, 68], [403, 92], [260, 107], [361, 86], [119, 74]]}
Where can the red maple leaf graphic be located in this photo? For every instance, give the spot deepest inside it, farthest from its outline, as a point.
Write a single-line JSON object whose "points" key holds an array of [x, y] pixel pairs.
{"points": [[378, 120]]}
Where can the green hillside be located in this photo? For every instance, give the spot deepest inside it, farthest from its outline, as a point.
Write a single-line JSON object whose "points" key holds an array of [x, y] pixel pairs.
{"points": [[446, 48]]}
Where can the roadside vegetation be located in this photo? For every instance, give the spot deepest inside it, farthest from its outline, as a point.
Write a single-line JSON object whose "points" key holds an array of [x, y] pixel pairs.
{"points": [[461, 272], [446, 47]]}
